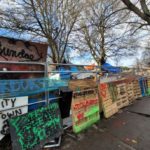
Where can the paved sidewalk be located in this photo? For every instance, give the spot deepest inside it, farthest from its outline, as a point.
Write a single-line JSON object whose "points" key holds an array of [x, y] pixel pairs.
{"points": [[127, 130]]}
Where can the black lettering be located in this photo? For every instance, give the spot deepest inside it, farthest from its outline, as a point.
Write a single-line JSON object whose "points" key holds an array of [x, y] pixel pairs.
{"points": [[26, 56], [21, 54], [10, 114], [13, 102], [12, 53], [18, 112], [6, 101], [3, 116], [2, 104], [5, 128]]}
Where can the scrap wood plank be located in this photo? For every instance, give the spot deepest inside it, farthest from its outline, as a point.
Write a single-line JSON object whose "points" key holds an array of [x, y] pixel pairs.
{"points": [[77, 85], [85, 110]]}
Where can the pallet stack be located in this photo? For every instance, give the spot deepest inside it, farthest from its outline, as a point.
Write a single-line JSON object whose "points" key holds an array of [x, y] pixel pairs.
{"points": [[130, 92], [109, 107], [136, 89], [122, 96]]}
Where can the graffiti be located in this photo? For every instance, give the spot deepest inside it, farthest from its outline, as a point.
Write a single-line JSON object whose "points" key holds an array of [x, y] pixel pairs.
{"points": [[33, 130], [86, 122], [84, 105], [84, 93], [8, 103], [12, 53], [17, 50], [103, 90], [12, 88]]}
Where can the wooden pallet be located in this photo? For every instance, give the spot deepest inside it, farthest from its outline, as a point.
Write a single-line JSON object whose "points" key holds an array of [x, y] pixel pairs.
{"points": [[122, 103], [110, 110], [107, 103]]}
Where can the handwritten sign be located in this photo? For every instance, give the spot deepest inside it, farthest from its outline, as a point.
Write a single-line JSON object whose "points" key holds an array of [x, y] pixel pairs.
{"points": [[85, 109], [7, 103], [18, 50], [33, 130], [21, 51], [23, 87]]}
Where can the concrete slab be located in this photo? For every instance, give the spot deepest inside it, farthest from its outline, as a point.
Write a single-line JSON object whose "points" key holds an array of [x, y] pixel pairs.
{"points": [[142, 106], [132, 129]]}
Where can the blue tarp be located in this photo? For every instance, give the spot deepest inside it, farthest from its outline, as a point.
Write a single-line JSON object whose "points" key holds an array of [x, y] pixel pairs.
{"points": [[111, 69], [65, 72]]}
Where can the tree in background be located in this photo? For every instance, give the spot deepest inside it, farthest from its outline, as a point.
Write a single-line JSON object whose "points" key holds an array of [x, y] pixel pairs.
{"points": [[100, 31], [145, 59], [141, 9], [49, 19]]}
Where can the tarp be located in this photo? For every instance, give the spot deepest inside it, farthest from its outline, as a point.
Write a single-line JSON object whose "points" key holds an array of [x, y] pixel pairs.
{"points": [[26, 87], [111, 69], [75, 72]]}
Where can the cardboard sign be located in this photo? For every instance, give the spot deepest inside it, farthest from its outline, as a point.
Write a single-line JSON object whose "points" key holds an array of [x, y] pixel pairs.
{"points": [[7, 103], [35, 129], [85, 109]]}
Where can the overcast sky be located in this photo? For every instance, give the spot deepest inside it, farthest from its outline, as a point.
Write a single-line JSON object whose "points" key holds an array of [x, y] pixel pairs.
{"points": [[130, 61]]}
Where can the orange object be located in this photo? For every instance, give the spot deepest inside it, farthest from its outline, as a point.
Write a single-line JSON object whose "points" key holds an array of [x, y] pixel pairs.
{"points": [[90, 67]]}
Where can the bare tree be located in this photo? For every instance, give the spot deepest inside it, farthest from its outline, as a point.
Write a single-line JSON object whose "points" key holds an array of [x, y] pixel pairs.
{"points": [[50, 19], [101, 32], [140, 8], [145, 59]]}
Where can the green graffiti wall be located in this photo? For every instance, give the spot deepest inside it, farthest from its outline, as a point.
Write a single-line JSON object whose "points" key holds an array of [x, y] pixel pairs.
{"points": [[32, 130]]}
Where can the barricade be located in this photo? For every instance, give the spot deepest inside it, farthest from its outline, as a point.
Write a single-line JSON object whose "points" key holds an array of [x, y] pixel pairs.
{"points": [[85, 109], [121, 94], [143, 85], [109, 107], [148, 86], [85, 104], [130, 90], [118, 94], [136, 88]]}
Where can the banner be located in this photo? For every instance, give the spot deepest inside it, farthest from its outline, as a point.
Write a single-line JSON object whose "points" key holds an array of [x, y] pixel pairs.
{"points": [[26, 87], [85, 109], [10, 103], [33, 130]]}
